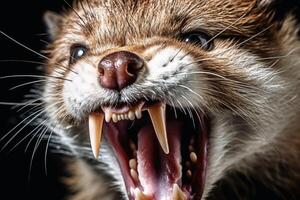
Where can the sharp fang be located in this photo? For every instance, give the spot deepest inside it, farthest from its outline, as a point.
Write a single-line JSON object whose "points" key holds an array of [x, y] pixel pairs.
{"points": [[178, 194], [95, 128], [140, 195], [158, 116]]}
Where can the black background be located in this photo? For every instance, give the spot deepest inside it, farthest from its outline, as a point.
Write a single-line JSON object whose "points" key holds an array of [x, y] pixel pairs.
{"points": [[22, 20]]}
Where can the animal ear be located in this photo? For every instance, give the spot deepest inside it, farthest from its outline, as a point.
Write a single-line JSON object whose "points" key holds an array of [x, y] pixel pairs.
{"points": [[53, 22]]}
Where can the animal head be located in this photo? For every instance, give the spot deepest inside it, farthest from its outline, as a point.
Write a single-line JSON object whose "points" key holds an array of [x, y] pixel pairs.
{"points": [[179, 91]]}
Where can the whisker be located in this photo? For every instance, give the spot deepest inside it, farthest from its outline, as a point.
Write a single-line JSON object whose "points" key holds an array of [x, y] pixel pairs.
{"points": [[3, 137], [31, 50], [38, 128], [14, 104], [34, 151], [24, 61], [30, 102], [46, 152], [24, 46], [25, 84], [33, 76], [22, 128]]}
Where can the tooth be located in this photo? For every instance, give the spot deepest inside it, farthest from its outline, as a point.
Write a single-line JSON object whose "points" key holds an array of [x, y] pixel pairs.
{"points": [[189, 173], [95, 129], [178, 194], [131, 115], [193, 157], [119, 117], [108, 115], [138, 114], [114, 118], [133, 164], [134, 175], [158, 116], [140, 195], [126, 117]]}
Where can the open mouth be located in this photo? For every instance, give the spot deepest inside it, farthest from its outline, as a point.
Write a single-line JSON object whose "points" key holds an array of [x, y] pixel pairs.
{"points": [[162, 152]]}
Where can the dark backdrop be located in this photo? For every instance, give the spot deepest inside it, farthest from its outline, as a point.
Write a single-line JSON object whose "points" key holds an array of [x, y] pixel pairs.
{"points": [[22, 20]]}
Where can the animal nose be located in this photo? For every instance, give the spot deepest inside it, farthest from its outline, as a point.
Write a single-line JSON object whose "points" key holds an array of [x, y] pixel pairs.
{"points": [[119, 70]]}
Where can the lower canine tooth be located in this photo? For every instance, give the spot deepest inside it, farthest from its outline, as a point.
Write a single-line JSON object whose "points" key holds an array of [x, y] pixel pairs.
{"points": [[158, 116], [95, 129], [140, 195], [178, 194]]}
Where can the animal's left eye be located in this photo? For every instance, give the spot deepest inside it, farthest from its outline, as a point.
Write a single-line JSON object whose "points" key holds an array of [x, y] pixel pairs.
{"points": [[77, 52], [199, 38]]}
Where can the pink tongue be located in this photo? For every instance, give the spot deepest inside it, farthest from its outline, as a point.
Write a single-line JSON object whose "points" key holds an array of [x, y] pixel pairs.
{"points": [[158, 171]]}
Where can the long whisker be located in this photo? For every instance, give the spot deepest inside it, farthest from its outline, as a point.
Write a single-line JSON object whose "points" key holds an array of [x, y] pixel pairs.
{"points": [[35, 148], [46, 152], [31, 50], [38, 128], [28, 83], [24, 61], [24, 46], [38, 113], [33, 76], [16, 104]]}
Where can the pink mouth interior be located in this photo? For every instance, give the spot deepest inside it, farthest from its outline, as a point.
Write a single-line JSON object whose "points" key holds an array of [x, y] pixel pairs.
{"points": [[157, 171]]}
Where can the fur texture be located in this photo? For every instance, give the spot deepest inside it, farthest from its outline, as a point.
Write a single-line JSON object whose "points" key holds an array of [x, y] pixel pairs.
{"points": [[248, 84]]}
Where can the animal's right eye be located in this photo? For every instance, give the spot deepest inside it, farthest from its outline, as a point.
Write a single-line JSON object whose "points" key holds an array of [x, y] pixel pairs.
{"points": [[77, 52]]}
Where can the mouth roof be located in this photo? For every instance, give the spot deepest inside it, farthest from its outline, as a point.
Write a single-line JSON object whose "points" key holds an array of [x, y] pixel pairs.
{"points": [[162, 153]]}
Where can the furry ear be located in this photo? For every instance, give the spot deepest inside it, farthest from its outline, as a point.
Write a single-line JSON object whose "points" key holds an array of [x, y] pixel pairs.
{"points": [[53, 22]]}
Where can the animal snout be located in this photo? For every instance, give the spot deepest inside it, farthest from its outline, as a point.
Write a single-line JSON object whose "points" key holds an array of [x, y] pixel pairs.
{"points": [[119, 70]]}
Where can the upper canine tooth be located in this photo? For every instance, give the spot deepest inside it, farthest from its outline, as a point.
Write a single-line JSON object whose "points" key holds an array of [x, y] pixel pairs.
{"points": [[158, 116], [95, 129], [178, 194]]}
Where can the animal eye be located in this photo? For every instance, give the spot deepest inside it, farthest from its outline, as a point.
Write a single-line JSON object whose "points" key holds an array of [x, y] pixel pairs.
{"points": [[200, 39], [77, 52]]}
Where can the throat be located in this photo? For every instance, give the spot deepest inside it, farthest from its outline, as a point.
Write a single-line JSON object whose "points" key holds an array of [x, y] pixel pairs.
{"points": [[158, 172]]}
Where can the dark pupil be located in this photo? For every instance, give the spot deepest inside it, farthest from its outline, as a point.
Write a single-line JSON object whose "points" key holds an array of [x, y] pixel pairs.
{"points": [[196, 39]]}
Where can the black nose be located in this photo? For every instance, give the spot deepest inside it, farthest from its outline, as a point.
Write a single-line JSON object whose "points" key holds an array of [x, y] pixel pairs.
{"points": [[119, 69]]}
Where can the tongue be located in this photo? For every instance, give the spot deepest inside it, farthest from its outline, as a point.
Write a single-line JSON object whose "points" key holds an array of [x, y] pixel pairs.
{"points": [[158, 172]]}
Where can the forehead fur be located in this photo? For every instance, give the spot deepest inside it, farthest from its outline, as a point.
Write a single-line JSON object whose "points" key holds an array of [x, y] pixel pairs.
{"points": [[115, 20]]}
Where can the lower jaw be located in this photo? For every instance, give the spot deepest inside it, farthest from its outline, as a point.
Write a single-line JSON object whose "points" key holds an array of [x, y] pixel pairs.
{"points": [[151, 174]]}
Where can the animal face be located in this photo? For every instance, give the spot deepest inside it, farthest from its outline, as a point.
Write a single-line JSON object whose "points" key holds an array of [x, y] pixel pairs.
{"points": [[179, 91]]}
